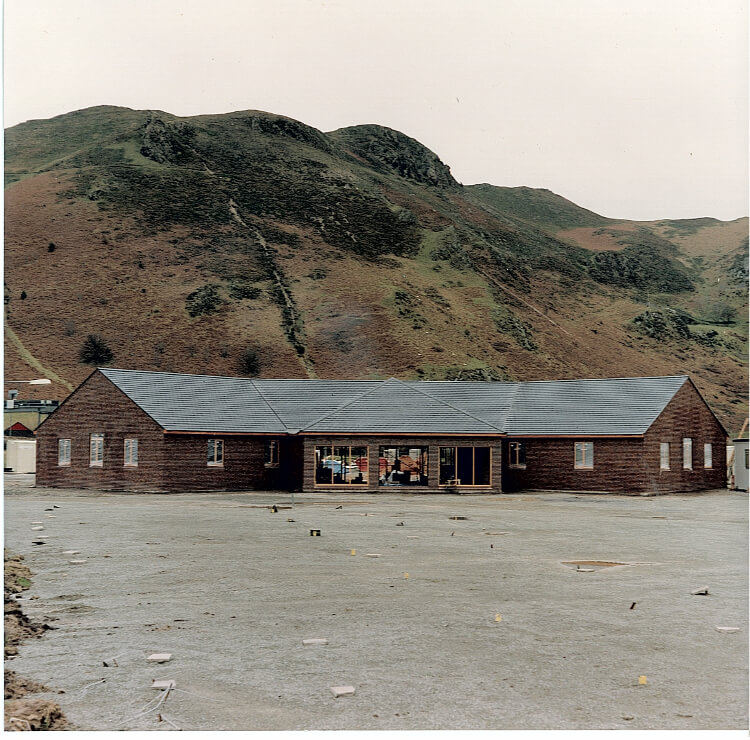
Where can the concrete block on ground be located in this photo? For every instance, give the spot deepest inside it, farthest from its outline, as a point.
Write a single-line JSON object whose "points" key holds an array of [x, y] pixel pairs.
{"points": [[71, 552], [159, 657], [37, 522], [76, 562], [315, 641], [162, 685], [37, 529], [728, 629], [700, 592], [342, 691], [373, 555]]}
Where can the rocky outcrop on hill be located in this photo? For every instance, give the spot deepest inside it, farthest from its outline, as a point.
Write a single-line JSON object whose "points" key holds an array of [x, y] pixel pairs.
{"points": [[389, 150]]}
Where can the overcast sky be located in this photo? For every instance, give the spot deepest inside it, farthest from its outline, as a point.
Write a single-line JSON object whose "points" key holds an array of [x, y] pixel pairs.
{"points": [[632, 108]]}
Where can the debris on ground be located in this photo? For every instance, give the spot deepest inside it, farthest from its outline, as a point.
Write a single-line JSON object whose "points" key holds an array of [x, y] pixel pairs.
{"points": [[159, 657], [700, 592], [727, 629], [166, 685], [342, 691], [315, 641]]}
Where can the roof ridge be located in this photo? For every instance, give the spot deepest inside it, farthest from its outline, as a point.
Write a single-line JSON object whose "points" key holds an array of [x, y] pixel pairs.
{"points": [[450, 405], [348, 403], [265, 400], [591, 380]]}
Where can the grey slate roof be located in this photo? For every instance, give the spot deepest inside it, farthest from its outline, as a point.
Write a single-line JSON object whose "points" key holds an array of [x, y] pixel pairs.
{"points": [[202, 403]]}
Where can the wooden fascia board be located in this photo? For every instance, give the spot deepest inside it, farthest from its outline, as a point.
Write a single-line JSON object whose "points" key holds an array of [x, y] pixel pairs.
{"points": [[180, 432], [401, 434], [511, 437]]}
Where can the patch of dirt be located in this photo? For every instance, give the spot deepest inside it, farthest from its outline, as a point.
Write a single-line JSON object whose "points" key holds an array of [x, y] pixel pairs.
{"points": [[23, 714], [17, 686], [33, 714]]}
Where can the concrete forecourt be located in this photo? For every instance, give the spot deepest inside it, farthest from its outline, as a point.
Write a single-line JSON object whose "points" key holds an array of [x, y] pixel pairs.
{"points": [[440, 611]]}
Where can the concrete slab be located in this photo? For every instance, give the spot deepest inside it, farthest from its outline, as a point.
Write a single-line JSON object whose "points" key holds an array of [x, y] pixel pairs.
{"points": [[231, 591]]}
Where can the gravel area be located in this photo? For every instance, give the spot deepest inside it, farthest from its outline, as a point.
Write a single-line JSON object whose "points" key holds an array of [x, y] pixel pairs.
{"points": [[439, 623]]}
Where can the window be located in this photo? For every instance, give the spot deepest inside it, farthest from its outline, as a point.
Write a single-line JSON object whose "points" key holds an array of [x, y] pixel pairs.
{"points": [[216, 452], [96, 450], [63, 452], [584, 459], [465, 466], [687, 453], [271, 455], [707, 456], [517, 454], [341, 466], [131, 453], [402, 466], [664, 455]]}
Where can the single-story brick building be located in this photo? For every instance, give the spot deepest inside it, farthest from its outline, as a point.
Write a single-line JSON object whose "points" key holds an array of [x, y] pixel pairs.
{"points": [[144, 431]]}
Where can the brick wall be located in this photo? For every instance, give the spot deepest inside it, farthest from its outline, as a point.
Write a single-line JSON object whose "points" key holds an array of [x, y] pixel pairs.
{"points": [[550, 466], [98, 406], [374, 444], [186, 463], [686, 416]]}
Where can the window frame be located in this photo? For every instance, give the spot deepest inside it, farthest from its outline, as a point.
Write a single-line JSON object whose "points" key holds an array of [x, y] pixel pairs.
{"points": [[218, 452], [130, 460], [96, 445], [63, 461], [473, 449], [708, 456], [424, 461], [664, 461], [517, 447], [349, 456], [687, 453], [585, 463], [271, 453]]}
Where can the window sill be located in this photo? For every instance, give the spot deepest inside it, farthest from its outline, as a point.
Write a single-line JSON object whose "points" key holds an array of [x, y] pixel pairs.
{"points": [[583, 467], [96, 465], [464, 485], [271, 465], [517, 467], [215, 465]]}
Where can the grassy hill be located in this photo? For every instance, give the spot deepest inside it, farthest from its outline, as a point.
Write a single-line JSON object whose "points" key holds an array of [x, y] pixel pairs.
{"points": [[253, 243]]}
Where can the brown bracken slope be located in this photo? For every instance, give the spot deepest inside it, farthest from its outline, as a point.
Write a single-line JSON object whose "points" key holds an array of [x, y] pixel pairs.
{"points": [[249, 243]]}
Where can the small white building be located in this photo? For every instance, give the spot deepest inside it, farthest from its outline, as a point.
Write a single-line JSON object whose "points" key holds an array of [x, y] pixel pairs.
{"points": [[20, 455], [741, 463]]}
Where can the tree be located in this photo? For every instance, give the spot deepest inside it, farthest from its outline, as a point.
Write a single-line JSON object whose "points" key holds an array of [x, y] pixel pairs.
{"points": [[94, 351], [249, 363]]}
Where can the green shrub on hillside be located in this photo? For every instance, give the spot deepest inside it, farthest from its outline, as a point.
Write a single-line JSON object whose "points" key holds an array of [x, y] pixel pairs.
{"points": [[204, 301], [639, 267]]}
